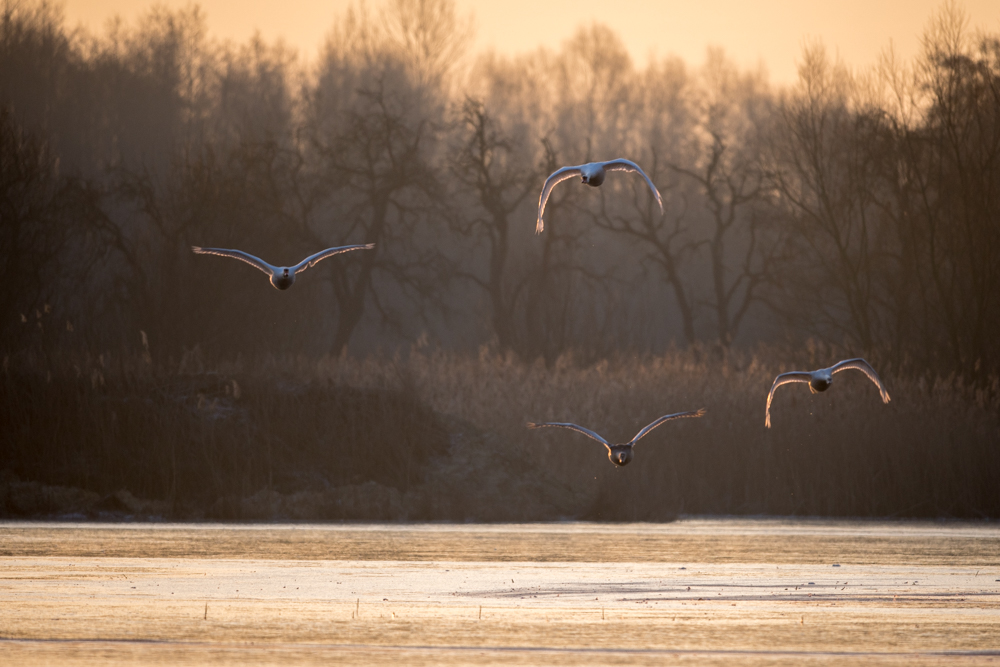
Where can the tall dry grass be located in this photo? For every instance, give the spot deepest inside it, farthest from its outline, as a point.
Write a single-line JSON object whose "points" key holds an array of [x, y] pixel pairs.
{"points": [[933, 451], [440, 435], [200, 440]]}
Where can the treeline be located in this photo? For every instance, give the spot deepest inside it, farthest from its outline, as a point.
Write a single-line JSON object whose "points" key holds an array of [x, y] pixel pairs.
{"points": [[858, 208]]}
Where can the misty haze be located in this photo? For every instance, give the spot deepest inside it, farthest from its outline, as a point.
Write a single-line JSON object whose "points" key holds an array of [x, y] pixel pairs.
{"points": [[375, 413]]}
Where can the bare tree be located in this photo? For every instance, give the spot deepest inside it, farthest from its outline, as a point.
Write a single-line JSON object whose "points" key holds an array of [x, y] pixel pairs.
{"points": [[819, 164], [381, 159], [486, 163], [31, 231], [591, 81], [729, 190], [943, 173], [730, 182], [429, 34], [555, 281], [375, 126], [665, 239]]}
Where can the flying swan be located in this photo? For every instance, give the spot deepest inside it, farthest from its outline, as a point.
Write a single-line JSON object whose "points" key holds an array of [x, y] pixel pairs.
{"points": [[281, 277], [592, 174], [620, 455], [822, 379]]}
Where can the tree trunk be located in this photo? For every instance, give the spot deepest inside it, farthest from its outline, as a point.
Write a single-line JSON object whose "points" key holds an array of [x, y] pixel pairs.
{"points": [[352, 306], [502, 324]]}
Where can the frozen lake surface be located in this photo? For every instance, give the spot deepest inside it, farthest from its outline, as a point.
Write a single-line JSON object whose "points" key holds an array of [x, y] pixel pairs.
{"points": [[698, 591]]}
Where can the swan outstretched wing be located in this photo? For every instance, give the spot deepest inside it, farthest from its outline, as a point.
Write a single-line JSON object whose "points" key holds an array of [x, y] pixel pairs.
{"points": [[866, 368], [784, 378], [572, 427], [621, 164], [311, 261], [558, 176], [237, 254], [665, 418]]}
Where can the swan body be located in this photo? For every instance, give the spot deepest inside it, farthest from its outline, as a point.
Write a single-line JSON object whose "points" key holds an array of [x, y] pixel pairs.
{"points": [[281, 277], [821, 380], [620, 454], [591, 174]]}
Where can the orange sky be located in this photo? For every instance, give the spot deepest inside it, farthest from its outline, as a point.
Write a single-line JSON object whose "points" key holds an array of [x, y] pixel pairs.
{"points": [[771, 31]]}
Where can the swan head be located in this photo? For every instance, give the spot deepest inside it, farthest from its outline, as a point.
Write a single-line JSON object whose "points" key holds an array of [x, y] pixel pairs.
{"points": [[818, 384], [593, 178], [620, 455], [283, 278]]}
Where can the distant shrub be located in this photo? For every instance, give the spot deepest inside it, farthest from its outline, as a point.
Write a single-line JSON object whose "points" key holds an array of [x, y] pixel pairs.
{"points": [[193, 438]]}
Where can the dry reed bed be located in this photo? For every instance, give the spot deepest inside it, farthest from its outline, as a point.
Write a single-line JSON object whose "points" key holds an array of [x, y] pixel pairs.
{"points": [[933, 451], [206, 441]]}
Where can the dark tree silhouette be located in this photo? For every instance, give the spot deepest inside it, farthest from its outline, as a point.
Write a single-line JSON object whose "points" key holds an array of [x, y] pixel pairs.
{"points": [[819, 163], [31, 233], [485, 163], [665, 239], [730, 188]]}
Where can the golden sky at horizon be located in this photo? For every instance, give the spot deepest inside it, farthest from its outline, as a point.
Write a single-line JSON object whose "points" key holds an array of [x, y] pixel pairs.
{"points": [[768, 31]]}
